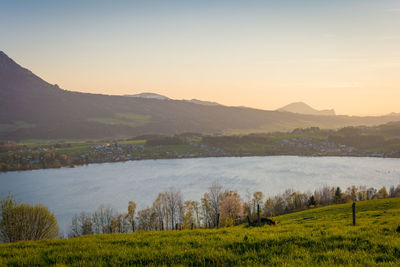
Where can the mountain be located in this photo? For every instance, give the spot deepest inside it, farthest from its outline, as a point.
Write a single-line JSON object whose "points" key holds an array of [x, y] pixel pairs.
{"points": [[31, 108], [303, 108], [162, 97], [201, 102], [150, 95]]}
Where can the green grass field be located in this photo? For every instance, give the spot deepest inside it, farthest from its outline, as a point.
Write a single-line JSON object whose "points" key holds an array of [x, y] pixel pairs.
{"points": [[127, 119], [317, 237]]}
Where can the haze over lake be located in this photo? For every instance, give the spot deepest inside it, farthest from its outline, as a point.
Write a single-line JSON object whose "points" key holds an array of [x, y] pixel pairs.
{"points": [[68, 191]]}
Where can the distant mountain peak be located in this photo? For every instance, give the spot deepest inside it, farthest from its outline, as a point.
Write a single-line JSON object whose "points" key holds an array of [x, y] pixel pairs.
{"points": [[149, 95], [205, 103], [303, 108]]}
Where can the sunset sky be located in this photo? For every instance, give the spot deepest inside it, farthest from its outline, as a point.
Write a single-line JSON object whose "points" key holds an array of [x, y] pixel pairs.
{"points": [[264, 54]]}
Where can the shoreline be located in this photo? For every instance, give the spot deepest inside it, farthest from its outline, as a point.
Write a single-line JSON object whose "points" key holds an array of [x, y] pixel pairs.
{"points": [[205, 157]]}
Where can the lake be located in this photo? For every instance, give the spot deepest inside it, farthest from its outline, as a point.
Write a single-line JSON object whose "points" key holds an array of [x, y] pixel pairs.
{"points": [[68, 191]]}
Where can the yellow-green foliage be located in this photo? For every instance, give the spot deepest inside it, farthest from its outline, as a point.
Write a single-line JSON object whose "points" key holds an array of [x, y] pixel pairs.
{"points": [[15, 126], [127, 119], [317, 237], [20, 221]]}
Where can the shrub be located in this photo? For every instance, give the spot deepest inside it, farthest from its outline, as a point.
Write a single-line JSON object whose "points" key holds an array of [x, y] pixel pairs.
{"points": [[20, 221]]}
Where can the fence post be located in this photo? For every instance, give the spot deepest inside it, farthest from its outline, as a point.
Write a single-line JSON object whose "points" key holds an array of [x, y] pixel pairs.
{"points": [[217, 220], [354, 212], [258, 215], [248, 220]]}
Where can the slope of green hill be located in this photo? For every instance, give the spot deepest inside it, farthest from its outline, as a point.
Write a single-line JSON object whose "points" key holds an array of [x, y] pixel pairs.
{"points": [[323, 236]]}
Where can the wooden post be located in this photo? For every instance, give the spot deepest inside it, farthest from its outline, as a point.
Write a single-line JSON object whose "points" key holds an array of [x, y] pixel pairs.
{"points": [[248, 220], [354, 212], [162, 225], [258, 215], [192, 226], [176, 226], [217, 220]]}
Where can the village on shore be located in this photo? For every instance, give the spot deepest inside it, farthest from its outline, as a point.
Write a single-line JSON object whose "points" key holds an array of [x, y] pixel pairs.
{"points": [[306, 142]]}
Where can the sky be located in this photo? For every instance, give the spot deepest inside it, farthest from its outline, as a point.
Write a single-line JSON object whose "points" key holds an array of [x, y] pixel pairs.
{"points": [[263, 54]]}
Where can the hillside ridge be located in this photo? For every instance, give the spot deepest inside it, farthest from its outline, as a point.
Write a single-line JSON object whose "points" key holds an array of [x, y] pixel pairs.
{"points": [[31, 108], [303, 108]]}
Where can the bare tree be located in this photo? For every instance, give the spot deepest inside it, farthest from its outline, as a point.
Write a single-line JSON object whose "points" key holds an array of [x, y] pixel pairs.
{"points": [[81, 225], [173, 199], [144, 219], [160, 209], [131, 214], [215, 198], [256, 200], [102, 220], [206, 212]]}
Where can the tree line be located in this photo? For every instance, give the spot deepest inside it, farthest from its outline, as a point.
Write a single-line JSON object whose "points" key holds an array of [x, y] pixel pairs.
{"points": [[218, 207]]}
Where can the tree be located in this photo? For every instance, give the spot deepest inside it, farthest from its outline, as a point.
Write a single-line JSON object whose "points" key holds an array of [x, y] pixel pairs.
{"points": [[215, 198], [311, 201], [362, 193], [190, 213], [206, 211], [173, 199], [324, 195], [131, 214], [231, 208], [81, 225], [371, 193], [300, 200], [119, 223], [256, 200], [20, 221], [160, 209], [338, 195], [382, 193], [279, 205], [395, 191], [351, 192], [269, 207], [102, 220], [144, 219]]}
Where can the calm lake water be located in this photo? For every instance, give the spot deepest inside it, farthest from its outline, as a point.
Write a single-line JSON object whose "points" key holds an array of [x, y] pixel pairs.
{"points": [[68, 191]]}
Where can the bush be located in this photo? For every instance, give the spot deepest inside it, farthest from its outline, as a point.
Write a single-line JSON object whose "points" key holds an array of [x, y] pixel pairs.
{"points": [[20, 221]]}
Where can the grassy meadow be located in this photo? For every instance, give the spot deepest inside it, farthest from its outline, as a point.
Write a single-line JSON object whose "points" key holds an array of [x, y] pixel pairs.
{"points": [[322, 236]]}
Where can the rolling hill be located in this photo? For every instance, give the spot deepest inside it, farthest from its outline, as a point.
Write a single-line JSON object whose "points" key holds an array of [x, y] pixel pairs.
{"points": [[150, 95], [317, 237], [31, 108], [303, 108]]}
